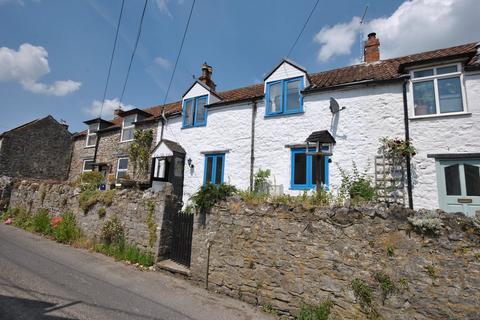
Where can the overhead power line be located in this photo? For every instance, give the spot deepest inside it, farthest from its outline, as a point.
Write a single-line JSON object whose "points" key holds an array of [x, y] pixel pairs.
{"points": [[179, 53], [111, 58], [303, 28], [133, 52]]}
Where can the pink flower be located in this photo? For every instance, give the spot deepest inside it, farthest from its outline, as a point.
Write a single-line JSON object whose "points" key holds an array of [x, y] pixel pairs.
{"points": [[8, 221]]}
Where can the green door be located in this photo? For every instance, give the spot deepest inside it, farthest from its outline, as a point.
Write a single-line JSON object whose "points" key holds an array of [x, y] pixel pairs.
{"points": [[459, 185]]}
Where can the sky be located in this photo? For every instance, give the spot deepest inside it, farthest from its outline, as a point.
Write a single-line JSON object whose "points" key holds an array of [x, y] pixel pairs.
{"points": [[54, 54]]}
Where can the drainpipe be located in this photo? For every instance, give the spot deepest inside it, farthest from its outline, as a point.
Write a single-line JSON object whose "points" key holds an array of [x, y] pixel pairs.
{"points": [[96, 148], [163, 119], [252, 142], [407, 137]]}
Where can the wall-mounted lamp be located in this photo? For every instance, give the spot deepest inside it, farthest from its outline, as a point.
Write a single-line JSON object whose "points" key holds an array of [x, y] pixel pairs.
{"points": [[189, 161]]}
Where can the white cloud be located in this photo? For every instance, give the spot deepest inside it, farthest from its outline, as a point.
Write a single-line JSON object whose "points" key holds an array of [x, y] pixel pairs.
{"points": [[109, 106], [162, 5], [415, 26], [27, 65], [162, 62]]}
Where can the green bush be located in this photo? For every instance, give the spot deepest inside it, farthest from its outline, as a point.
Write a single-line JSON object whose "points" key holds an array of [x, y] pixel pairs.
{"points": [[41, 222], [127, 252], [88, 198], [90, 180], [67, 231], [101, 212], [357, 186], [260, 185], [208, 195], [112, 231], [320, 312], [363, 293], [20, 216]]}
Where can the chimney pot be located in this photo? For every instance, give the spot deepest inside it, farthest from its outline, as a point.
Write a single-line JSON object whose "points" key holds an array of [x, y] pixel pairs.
{"points": [[372, 48], [206, 76]]}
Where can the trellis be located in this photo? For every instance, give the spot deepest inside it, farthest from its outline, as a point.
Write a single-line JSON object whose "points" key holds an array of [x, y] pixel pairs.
{"points": [[390, 179]]}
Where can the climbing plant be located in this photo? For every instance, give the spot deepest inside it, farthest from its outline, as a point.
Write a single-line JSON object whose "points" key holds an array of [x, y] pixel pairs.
{"points": [[139, 151]]}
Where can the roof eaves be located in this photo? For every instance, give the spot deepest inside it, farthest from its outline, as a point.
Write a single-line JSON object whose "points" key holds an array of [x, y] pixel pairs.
{"points": [[224, 103], [313, 89], [290, 62]]}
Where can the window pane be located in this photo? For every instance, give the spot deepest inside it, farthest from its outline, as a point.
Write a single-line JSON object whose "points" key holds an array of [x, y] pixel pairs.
{"points": [[424, 98], [91, 140], [93, 127], [128, 120], [293, 95], [208, 174], [200, 112], [452, 180], [218, 170], [450, 95], [123, 164], [88, 165], [121, 174], [300, 168], [275, 98], [449, 69], [188, 113], [178, 171], [127, 134], [318, 169], [160, 168], [472, 180], [423, 73]]}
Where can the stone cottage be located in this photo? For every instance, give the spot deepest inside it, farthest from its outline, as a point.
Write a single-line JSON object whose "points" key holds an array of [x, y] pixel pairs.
{"points": [[40, 149], [431, 97]]}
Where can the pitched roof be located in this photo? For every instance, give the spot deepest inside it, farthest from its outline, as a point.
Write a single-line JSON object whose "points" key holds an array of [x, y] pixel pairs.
{"points": [[383, 70], [322, 136], [28, 124]]}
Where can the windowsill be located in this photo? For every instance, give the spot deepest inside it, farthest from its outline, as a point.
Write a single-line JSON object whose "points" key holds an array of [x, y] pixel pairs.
{"points": [[126, 140], [291, 113], [444, 115], [195, 126]]}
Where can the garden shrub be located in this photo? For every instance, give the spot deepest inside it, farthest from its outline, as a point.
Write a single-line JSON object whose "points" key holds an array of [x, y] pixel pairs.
{"points": [[428, 222], [90, 180], [88, 198], [41, 222], [113, 231], [319, 312], [208, 195], [260, 184], [20, 216], [66, 231], [357, 186]]}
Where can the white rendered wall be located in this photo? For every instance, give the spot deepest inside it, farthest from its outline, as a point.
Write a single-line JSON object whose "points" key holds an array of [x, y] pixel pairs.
{"points": [[285, 71], [228, 128], [371, 113], [447, 134]]}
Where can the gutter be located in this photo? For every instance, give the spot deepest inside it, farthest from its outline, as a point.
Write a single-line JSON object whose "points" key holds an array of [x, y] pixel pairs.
{"points": [[349, 84], [407, 137]]}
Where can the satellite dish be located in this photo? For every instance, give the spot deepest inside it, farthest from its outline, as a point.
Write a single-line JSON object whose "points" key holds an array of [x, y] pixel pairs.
{"points": [[334, 106]]}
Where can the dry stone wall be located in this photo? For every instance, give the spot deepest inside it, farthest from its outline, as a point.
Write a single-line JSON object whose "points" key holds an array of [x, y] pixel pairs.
{"points": [[132, 207], [282, 256]]}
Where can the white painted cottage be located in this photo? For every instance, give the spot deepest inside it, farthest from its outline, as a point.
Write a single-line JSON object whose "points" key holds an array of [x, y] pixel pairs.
{"points": [[432, 97]]}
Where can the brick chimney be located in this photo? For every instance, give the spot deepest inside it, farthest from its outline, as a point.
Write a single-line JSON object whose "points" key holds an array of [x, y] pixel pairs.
{"points": [[206, 76], [371, 51]]}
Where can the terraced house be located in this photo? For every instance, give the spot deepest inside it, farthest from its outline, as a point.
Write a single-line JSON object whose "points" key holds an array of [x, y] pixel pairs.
{"points": [[307, 127]]}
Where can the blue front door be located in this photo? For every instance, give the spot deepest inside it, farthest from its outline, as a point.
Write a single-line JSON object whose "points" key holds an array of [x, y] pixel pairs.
{"points": [[459, 185]]}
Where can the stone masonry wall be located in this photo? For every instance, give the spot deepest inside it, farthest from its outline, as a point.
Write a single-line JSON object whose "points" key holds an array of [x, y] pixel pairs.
{"points": [[130, 206], [284, 256], [110, 149]]}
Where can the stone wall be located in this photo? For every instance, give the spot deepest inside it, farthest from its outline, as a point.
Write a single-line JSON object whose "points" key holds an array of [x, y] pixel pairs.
{"points": [[40, 150], [130, 206], [110, 149], [284, 256]]}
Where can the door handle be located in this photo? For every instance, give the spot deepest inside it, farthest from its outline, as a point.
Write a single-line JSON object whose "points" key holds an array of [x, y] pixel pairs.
{"points": [[464, 200]]}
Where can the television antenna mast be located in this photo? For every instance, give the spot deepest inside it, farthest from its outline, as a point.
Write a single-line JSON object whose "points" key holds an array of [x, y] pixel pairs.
{"points": [[361, 32]]}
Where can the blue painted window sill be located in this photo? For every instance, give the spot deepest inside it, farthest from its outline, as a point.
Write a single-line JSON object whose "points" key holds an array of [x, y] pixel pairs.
{"points": [[195, 126]]}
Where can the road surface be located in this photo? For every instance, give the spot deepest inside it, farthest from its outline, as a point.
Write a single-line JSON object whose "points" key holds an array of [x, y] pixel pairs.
{"points": [[41, 279]]}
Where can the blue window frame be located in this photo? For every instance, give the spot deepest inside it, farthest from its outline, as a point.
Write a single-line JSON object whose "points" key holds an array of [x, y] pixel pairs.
{"points": [[304, 170], [284, 97], [194, 112], [214, 168]]}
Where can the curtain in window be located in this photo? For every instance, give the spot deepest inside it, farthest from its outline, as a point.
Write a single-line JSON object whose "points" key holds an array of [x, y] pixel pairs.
{"points": [[188, 113], [200, 111], [293, 95], [275, 97]]}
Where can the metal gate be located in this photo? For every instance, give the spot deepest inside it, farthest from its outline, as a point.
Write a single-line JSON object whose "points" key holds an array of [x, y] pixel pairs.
{"points": [[181, 248]]}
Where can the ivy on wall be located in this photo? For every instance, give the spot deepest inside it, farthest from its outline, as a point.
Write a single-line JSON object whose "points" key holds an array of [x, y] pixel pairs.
{"points": [[139, 151]]}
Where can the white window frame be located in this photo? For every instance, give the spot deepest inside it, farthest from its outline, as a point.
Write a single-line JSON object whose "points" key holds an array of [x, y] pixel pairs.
{"points": [[89, 134], [128, 127], [118, 166], [83, 166], [435, 79]]}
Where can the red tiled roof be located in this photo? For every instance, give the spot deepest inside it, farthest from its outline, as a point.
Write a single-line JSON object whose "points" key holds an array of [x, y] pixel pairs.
{"points": [[383, 70]]}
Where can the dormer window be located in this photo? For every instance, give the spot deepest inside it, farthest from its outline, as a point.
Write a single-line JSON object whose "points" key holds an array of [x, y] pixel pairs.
{"points": [[128, 127], [194, 112], [284, 97], [438, 90], [92, 134]]}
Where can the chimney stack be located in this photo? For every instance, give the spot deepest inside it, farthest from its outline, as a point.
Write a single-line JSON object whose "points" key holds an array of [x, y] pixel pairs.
{"points": [[117, 111], [206, 76], [371, 50]]}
